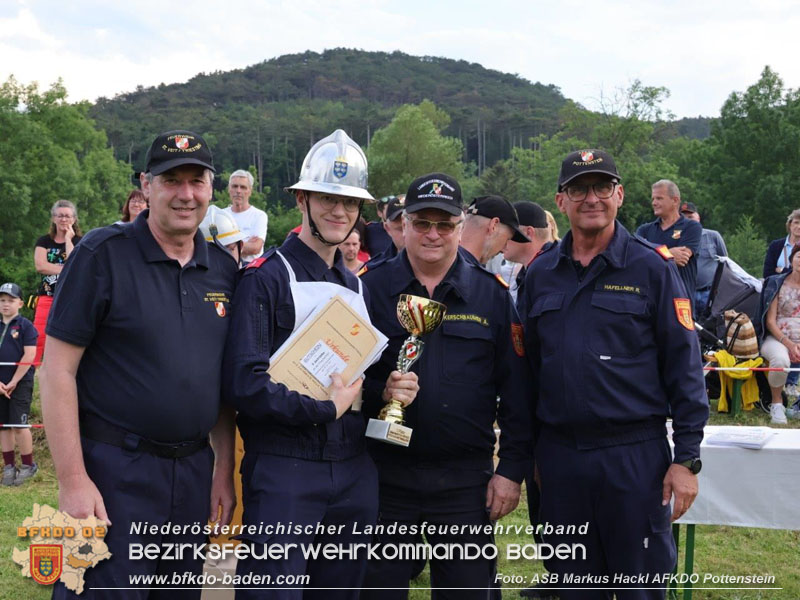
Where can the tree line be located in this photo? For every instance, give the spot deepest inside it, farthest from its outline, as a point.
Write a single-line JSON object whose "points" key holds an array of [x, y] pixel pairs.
{"points": [[742, 176]]}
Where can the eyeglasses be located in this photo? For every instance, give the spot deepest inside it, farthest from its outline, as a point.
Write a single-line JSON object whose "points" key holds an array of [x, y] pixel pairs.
{"points": [[63, 216], [442, 227], [137, 201], [350, 205], [602, 189]]}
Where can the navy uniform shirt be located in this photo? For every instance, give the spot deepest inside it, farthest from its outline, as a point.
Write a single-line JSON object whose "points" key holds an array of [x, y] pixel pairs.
{"points": [[615, 351], [153, 331], [14, 336], [273, 419], [684, 232], [474, 356]]}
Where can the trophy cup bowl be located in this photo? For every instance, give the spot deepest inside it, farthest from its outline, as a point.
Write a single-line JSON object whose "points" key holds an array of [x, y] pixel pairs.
{"points": [[418, 316]]}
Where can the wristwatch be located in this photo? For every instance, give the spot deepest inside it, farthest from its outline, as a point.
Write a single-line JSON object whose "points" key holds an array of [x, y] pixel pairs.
{"points": [[693, 464]]}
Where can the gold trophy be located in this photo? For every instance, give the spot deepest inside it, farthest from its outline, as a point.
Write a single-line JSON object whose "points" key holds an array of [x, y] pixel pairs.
{"points": [[418, 315]]}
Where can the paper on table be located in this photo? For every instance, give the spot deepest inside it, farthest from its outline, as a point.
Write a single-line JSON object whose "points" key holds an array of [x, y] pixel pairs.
{"points": [[741, 437], [333, 339]]}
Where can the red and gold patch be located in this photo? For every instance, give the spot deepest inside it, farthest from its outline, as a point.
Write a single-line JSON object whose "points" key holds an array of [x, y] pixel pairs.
{"points": [[362, 270], [46, 562], [683, 310], [518, 339], [664, 252], [502, 281]]}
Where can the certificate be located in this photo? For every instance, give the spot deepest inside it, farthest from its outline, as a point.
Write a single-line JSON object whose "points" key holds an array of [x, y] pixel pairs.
{"points": [[333, 339]]}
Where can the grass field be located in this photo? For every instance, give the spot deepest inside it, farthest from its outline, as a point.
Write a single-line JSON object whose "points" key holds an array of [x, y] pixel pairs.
{"points": [[719, 550]]}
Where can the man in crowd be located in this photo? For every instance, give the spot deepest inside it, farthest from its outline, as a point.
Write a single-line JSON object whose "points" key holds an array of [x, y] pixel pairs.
{"points": [[446, 475], [350, 248], [305, 460], [131, 383], [252, 221], [712, 246], [533, 224], [673, 230], [490, 222], [612, 306]]}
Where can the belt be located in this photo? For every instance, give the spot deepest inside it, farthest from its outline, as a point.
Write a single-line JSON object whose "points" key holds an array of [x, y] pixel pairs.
{"points": [[100, 430]]}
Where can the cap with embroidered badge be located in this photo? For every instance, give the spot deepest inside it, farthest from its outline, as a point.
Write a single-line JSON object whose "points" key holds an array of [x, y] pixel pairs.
{"points": [[688, 207], [175, 148], [435, 190], [582, 162]]}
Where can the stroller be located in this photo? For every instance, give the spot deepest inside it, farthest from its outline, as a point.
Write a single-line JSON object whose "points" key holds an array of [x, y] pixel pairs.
{"points": [[732, 289]]}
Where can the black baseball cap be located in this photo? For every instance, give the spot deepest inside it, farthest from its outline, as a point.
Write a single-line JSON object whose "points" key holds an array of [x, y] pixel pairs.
{"points": [[531, 214], [435, 190], [175, 148], [395, 207], [688, 207], [582, 162], [12, 289], [503, 210]]}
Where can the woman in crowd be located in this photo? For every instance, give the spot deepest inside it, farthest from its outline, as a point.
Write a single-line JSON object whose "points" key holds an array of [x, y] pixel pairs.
{"points": [[777, 259], [780, 327], [135, 204], [49, 256], [551, 223]]}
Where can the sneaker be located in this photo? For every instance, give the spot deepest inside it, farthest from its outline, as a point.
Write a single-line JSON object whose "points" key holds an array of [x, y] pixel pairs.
{"points": [[793, 412], [26, 472], [778, 414], [9, 474], [791, 390]]}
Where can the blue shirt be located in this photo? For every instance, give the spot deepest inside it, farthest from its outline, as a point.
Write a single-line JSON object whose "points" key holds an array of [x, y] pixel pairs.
{"points": [[15, 335], [272, 418], [153, 331], [684, 232], [474, 356], [610, 355]]}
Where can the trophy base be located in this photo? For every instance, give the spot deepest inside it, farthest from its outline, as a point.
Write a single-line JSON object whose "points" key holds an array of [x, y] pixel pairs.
{"points": [[391, 433]]}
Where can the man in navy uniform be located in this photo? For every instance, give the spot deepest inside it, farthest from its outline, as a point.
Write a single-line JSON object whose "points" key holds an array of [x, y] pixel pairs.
{"points": [[132, 380], [609, 334], [446, 476], [305, 460], [675, 231]]}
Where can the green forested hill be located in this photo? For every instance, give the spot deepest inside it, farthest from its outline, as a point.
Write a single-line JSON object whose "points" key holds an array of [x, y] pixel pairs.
{"points": [[268, 114]]}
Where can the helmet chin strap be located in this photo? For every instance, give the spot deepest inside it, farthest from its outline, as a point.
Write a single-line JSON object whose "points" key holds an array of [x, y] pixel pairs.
{"points": [[316, 233]]}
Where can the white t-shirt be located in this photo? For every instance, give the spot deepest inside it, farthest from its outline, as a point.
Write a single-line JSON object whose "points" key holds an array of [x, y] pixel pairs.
{"points": [[251, 222]]}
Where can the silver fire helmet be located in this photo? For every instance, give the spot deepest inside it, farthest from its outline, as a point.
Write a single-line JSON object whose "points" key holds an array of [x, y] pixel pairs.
{"points": [[335, 165]]}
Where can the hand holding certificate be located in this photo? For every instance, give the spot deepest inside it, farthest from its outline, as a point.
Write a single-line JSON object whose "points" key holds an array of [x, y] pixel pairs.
{"points": [[333, 339]]}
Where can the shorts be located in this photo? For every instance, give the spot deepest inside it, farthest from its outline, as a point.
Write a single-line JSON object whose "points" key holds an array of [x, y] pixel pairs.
{"points": [[15, 411]]}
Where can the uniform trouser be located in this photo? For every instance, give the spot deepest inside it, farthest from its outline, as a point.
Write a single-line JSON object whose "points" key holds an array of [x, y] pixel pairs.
{"points": [[285, 491], [136, 488], [436, 496], [617, 491]]}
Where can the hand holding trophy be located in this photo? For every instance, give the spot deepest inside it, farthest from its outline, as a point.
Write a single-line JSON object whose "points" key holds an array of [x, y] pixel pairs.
{"points": [[418, 316]]}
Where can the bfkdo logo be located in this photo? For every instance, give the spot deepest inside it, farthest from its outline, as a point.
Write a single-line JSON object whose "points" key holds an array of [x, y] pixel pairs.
{"points": [[46, 562]]}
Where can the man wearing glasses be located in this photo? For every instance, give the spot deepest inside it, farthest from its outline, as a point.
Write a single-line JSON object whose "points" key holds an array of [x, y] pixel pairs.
{"points": [[610, 338], [446, 476], [305, 464]]}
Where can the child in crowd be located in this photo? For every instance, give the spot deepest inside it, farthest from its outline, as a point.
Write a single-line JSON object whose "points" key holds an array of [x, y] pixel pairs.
{"points": [[17, 345]]}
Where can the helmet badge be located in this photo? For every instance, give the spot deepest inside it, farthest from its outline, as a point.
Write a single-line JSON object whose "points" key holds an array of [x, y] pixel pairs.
{"points": [[340, 167]]}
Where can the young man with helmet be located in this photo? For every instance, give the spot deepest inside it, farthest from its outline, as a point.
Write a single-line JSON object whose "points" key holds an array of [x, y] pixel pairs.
{"points": [[305, 460]]}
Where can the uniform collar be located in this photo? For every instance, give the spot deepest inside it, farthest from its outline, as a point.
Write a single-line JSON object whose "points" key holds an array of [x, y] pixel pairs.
{"points": [[312, 262], [456, 278], [154, 253], [11, 322], [615, 254], [681, 220]]}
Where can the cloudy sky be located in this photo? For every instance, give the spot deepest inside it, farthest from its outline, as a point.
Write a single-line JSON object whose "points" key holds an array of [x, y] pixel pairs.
{"points": [[701, 50]]}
